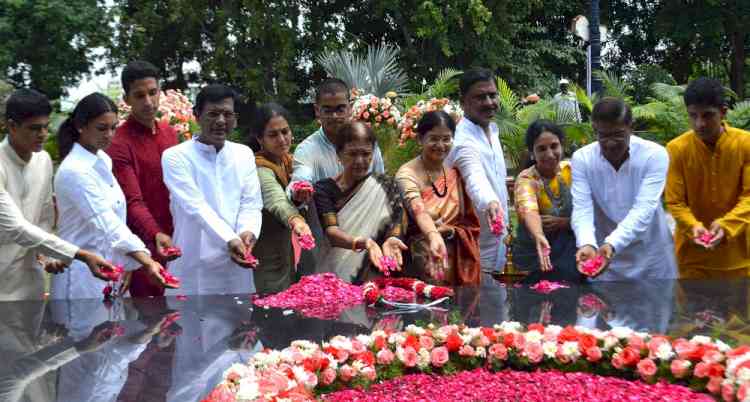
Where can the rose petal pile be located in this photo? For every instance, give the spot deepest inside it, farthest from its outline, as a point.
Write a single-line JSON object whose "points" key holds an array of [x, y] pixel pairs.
{"points": [[322, 296], [306, 370], [592, 266], [497, 225], [307, 242], [545, 286], [302, 185], [508, 385]]}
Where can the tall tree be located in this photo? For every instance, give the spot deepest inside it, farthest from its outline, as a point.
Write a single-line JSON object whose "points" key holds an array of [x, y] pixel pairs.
{"points": [[49, 44]]}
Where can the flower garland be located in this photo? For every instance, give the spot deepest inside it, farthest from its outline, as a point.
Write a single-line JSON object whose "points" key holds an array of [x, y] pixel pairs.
{"points": [[372, 294], [305, 370], [175, 109], [408, 124], [375, 111]]}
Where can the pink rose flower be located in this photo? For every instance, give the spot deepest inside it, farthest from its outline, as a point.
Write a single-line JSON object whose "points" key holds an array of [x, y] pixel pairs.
{"points": [[466, 351], [369, 373], [701, 370], [358, 347], [426, 342], [593, 354], [408, 356], [534, 352], [713, 356], [636, 342], [499, 351], [646, 368], [727, 392], [679, 368], [684, 348], [714, 385], [617, 361], [328, 376], [439, 356], [385, 356], [483, 341], [346, 372]]}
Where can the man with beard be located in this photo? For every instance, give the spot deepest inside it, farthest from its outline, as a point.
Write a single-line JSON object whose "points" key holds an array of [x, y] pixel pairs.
{"points": [[708, 188], [215, 199], [478, 155], [617, 211], [136, 154]]}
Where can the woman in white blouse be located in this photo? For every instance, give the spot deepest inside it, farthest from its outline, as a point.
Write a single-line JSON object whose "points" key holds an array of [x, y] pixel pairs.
{"points": [[91, 204]]}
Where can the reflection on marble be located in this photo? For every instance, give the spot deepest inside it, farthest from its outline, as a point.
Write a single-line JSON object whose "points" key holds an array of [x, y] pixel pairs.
{"points": [[165, 349]]}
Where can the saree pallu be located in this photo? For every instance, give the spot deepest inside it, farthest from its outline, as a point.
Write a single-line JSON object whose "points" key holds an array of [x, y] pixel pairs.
{"points": [[455, 211], [369, 212]]}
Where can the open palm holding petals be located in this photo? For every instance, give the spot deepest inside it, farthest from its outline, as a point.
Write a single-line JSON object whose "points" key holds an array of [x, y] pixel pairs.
{"points": [[592, 266], [306, 241], [302, 186], [387, 264], [112, 274], [172, 251], [497, 225], [170, 279], [706, 238]]}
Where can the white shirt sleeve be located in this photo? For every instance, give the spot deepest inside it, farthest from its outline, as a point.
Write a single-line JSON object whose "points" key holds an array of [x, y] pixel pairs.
{"points": [[469, 163], [86, 195], [647, 200], [302, 168], [249, 217], [185, 192], [582, 219], [16, 229]]}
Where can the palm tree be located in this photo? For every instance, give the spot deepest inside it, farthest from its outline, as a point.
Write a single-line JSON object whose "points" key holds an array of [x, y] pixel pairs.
{"points": [[377, 72]]}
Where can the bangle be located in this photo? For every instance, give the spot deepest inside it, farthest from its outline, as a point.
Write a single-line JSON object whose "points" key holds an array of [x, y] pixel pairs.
{"points": [[354, 243]]}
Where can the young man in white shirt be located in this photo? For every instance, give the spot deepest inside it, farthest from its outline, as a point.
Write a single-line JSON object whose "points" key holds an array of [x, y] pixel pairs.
{"points": [[27, 210], [617, 186], [478, 155], [215, 201]]}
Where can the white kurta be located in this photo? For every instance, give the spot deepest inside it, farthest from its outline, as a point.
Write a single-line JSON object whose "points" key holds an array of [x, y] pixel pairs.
{"points": [[482, 165], [623, 208], [214, 197], [92, 215], [27, 214]]}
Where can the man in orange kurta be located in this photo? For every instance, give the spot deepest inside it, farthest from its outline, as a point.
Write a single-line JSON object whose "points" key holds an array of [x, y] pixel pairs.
{"points": [[708, 188]]}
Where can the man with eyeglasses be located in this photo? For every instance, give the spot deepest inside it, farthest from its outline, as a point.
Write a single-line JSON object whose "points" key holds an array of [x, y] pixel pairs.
{"points": [[215, 199], [617, 186], [315, 158], [136, 154]]}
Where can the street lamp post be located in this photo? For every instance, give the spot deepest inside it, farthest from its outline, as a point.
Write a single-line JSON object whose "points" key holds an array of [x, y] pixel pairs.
{"points": [[596, 46]]}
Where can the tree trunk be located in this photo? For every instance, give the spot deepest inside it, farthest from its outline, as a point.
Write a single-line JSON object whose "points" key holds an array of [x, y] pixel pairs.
{"points": [[737, 71]]}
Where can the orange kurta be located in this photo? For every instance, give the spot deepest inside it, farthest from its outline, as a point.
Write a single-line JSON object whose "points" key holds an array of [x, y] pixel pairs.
{"points": [[705, 185]]}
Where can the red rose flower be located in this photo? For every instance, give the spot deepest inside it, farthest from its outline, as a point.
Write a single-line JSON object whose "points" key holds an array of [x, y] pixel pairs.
{"points": [[630, 356], [453, 342]]}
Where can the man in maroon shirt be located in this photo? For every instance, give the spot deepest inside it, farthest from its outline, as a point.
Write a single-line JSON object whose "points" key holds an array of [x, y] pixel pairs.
{"points": [[136, 162]]}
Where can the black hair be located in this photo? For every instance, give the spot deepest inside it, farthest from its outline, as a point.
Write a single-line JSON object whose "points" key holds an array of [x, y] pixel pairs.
{"points": [[349, 132], [331, 86], [262, 116], [535, 130], [87, 109], [26, 103], [214, 93], [435, 118], [612, 110], [472, 76], [705, 92], [137, 70]]}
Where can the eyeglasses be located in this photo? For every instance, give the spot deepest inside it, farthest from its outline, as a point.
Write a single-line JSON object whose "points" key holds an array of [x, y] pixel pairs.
{"points": [[228, 116]]}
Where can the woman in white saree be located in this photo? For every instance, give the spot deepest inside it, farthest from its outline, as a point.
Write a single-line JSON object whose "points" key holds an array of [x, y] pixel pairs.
{"points": [[358, 211]]}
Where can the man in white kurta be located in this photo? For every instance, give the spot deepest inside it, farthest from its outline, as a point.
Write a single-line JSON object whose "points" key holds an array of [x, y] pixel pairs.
{"points": [[478, 155], [617, 210], [27, 210], [215, 201]]}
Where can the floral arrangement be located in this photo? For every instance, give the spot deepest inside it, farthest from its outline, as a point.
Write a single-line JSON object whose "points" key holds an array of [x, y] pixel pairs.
{"points": [[375, 111], [306, 370], [175, 109], [372, 293], [408, 124]]}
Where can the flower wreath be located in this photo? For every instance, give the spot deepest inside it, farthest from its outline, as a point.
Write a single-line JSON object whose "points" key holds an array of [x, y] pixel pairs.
{"points": [[373, 295], [306, 370]]}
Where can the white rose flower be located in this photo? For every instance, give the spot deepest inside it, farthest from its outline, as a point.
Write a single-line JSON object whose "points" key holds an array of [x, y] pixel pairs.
{"points": [[365, 340], [415, 330], [743, 374], [664, 351], [342, 343], [553, 330], [240, 369], [248, 390], [396, 338], [509, 326], [723, 347], [534, 336], [423, 358], [621, 332], [701, 339], [610, 341], [550, 349], [571, 349]]}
